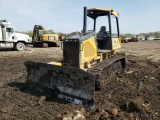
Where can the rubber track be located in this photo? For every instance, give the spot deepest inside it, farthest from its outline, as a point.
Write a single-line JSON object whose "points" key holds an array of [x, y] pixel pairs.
{"points": [[105, 70]]}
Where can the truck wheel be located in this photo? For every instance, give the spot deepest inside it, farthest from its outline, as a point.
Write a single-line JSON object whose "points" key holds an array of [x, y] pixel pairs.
{"points": [[20, 46]]}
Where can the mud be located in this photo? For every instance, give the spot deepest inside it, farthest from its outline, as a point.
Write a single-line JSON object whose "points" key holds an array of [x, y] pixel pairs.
{"points": [[133, 95]]}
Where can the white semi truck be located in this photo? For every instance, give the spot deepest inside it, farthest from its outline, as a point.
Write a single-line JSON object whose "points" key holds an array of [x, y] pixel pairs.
{"points": [[10, 39]]}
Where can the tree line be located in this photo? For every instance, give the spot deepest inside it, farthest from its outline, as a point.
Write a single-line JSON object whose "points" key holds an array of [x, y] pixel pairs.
{"points": [[146, 35]]}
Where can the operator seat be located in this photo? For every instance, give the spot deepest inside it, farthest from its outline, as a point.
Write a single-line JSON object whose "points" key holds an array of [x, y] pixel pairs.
{"points": [[101, 34], [102, 37]]}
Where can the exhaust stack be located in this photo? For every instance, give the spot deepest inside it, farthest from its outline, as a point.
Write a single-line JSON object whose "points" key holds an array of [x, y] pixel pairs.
{"points": [[85, 20]]}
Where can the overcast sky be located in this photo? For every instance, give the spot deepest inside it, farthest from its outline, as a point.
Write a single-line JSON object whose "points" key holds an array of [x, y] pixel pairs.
{"points": [[136, 16]]}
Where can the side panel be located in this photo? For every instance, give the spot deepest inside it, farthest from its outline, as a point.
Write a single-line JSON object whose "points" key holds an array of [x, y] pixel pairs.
{"points": [[88, 50], [116, 43]]}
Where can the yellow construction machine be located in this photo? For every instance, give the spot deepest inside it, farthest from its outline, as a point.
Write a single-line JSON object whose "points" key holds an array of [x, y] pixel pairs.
{"points": [[42, 37], [133, 39], [90, 59]]}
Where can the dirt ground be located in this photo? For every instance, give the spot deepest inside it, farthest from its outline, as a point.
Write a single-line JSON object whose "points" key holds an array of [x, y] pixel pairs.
{"points": [[133, 95]]}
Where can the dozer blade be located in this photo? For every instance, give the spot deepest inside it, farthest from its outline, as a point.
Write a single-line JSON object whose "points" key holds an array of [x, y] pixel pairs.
{"points": [[70, 83]]}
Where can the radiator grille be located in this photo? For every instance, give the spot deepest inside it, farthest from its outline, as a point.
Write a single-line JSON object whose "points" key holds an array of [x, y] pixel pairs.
{"points": [[71, 53]]}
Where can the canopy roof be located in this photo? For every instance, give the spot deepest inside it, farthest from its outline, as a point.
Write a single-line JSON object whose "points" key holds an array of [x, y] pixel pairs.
{"points": [[96, 12]]}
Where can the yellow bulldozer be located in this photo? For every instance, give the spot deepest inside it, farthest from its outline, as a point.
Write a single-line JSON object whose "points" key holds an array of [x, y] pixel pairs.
{"points": [[90, 59], [42, 37]]}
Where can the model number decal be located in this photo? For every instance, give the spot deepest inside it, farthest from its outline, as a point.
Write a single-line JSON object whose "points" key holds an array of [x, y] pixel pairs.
{"points": [[51, 37]]}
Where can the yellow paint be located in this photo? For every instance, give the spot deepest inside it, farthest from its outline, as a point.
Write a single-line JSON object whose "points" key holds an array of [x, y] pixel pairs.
{"points": [[116, 43], [55, 63], [105, 10], [49, 37], [88, 51]]}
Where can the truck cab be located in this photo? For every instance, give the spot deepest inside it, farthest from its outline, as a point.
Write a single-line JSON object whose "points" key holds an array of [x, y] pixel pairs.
{"points": [[10, 39], [10, 34]]}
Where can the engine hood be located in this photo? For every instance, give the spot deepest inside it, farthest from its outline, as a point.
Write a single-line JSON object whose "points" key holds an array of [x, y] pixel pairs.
{"points": [[82, 36], [23, 37], [21, 34]]}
